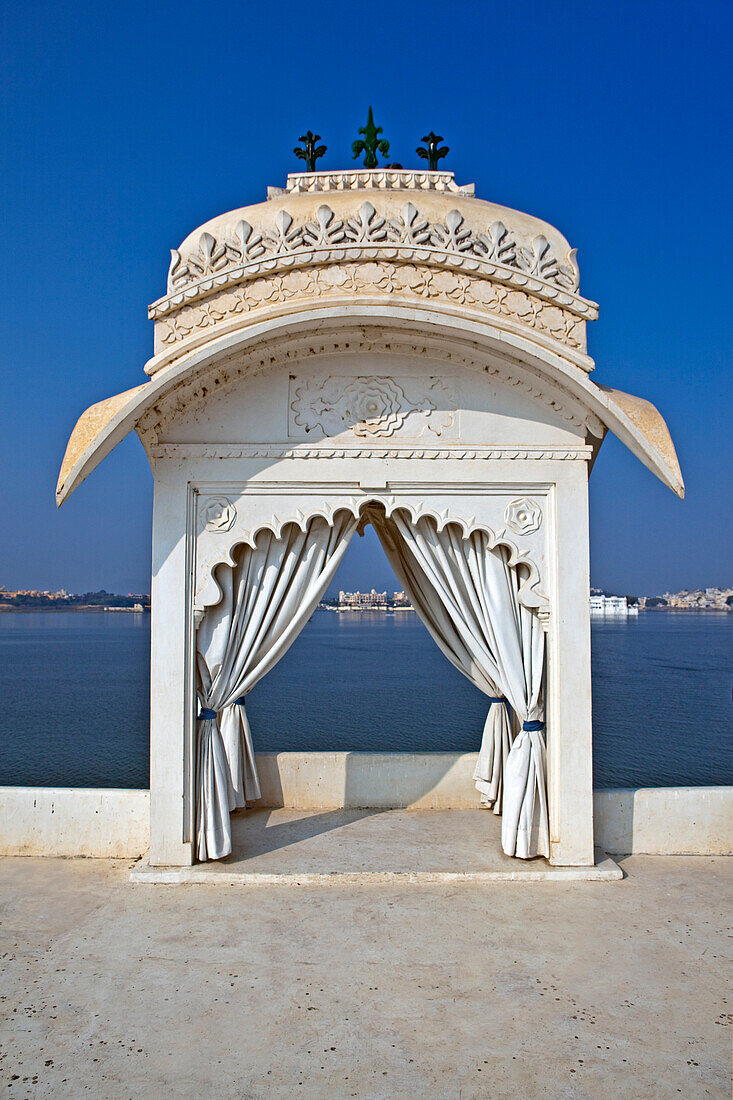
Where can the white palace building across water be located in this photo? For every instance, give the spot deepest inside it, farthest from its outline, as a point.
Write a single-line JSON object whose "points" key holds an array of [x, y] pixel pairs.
{"points": [[612, 605]]}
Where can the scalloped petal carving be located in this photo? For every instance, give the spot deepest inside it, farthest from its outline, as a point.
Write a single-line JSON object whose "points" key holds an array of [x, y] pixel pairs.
{"points": [[211, 593]]}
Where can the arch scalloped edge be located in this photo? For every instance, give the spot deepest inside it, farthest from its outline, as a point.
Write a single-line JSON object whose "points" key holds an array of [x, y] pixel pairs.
{"points": [[529, 595]]}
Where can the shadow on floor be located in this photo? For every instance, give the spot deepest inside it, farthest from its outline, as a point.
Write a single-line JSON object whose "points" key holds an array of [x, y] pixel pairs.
{"points": [[252, 835]]}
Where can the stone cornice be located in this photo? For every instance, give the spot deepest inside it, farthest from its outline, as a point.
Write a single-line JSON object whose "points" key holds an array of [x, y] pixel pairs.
{"points": [[369, 286], [502, 453]]}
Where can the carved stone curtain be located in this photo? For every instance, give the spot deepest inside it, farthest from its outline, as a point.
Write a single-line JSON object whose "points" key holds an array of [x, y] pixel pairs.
{"points": [[266, 600], [467, 595]]}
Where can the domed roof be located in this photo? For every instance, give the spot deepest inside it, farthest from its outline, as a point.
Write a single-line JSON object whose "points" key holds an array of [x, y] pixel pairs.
{"points": [[420, 216], [387, 248]]}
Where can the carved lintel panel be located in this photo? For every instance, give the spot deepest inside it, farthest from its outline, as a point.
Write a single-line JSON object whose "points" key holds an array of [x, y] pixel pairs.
{"points": [[370, 407], [293, 350]]}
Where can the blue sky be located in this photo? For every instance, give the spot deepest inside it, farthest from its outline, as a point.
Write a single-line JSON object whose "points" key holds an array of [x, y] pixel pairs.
{"points": [[124, 127]]}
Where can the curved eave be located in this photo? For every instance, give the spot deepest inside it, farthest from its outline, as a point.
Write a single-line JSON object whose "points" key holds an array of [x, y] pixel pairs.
{"points": [[641, 426], [636, 422], [97, 431]]}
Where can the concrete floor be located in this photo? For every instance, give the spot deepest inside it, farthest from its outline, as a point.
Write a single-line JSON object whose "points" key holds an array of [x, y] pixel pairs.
{"points": [[112, 989], [289, 846]]}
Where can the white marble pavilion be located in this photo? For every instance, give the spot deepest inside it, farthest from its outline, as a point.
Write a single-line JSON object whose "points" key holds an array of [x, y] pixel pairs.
{"points": [[372, 347]]}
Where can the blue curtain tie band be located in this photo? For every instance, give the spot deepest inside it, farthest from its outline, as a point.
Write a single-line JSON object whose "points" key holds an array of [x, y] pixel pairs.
{"points": [[532, 727], [498, 699], [240, 701], [206, 713]]}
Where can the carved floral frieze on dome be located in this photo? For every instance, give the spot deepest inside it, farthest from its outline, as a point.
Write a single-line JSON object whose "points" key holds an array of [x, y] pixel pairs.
{"points": [[370, 407], [497, 246], [405, 280]]}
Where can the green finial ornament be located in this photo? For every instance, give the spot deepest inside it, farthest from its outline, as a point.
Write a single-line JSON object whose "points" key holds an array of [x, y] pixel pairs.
{"points": [[432, 154], [310, 151], [372, 143]]}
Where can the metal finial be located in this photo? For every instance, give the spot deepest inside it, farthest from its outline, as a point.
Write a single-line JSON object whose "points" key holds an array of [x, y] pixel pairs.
{"points": [[311, 152], [432, 154], [372, 143]]}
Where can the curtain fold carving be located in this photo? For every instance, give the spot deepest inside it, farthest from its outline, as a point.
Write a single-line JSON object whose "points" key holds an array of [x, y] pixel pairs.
{"points": [[467, 595], [267, 598]]}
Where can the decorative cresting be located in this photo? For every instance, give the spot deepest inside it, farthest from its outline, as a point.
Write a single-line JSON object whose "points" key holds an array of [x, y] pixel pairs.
{"points": [[381, 179], [209, 592]]}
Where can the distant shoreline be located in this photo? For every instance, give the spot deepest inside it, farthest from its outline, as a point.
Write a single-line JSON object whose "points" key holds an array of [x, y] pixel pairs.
{"points": [[599, 615], [86, 609], [96, 609]]}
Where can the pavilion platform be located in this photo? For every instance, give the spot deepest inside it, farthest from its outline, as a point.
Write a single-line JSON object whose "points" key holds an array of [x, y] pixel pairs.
{"points": [[292, 847], [383, 992]]}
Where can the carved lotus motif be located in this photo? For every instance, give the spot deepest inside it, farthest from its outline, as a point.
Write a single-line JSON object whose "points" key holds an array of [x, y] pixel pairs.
{"points": [[336, 277], [374, 407], [370, 406], [523, 516], [413, 278], [301, 282], [219, 514]]}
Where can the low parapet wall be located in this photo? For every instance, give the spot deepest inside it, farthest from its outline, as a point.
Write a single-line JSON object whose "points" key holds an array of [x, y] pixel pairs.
{"points": [[48, 821], [73, 821], [368, 780], [694, 821]]}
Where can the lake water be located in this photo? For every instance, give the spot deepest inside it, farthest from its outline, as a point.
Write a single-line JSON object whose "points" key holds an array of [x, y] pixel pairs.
{"points": [[74, 691]]}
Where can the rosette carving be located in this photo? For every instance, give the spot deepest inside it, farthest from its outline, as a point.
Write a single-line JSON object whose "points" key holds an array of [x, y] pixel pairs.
{"points": [[523, 516], [375, 405], [218, 514]]}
